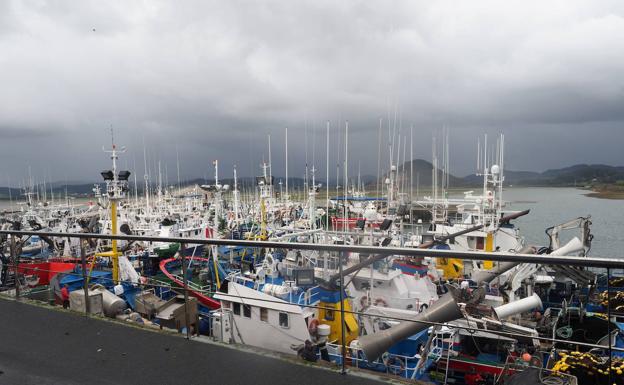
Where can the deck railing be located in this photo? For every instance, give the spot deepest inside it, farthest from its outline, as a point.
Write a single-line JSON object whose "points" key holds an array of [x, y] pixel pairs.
{"points": [[607, 265]]}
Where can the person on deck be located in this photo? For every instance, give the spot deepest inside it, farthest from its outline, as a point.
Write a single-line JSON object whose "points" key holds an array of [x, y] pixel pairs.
{"points": [[308, 352], [65, 296], [473, 378]]}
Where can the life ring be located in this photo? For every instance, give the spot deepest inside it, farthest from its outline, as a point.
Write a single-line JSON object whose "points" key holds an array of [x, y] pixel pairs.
{"points": [[380, 301], [394, 364], [313, 326]]}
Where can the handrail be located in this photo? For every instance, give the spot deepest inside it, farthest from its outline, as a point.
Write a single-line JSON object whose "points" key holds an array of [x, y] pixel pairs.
{"points": [[617, 263]]}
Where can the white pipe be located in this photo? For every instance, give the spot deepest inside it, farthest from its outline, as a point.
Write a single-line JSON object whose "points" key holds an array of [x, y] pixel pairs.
{"points": [[518, 307]]}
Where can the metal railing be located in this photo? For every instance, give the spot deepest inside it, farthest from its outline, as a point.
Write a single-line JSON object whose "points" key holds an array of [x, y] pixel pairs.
{"points": [[610, 264]]}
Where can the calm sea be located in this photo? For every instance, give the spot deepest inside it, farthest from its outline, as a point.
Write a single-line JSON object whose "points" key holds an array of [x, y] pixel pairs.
{"points": [[551, 206]]}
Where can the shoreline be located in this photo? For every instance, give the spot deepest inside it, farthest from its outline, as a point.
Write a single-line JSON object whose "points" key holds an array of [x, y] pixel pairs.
{"points": [[612, 195]]}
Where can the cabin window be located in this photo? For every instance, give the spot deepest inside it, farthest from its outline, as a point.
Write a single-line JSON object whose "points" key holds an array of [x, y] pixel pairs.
{"points": [[225, 304], [236, 308], [264, 314], [283, 320], [196, 232], [329, 314], [480, 243], [247, 311]]}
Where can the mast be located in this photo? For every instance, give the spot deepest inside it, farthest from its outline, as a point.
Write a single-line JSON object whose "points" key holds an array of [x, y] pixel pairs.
{"points": [[378, 158], [146, 178], [312, 200], [236, 197], [270, 164], [403, 177], [159, 192], [411, 165], [485, 166], [346, 171], [136, 188], [286, 161], [216, 167], [501, 175], [178, 166], [327, 179], [115, 186]]}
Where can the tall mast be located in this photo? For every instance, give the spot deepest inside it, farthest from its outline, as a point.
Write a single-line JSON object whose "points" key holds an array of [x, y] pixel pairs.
{"points": [[346, 172], [115, 190], [270, 164], [501, 175], [178, 166], [146, 178], [216, 167], [403, 179], [136, 188], [312, 201], [160, 191], [327, 179], [236, 198], [411, 164], [286, 161], [378, 158], [485, 166]]}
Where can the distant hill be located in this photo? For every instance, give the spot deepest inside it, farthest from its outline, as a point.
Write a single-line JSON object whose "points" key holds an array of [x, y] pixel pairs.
{"points": [[586, 174], [6, 192], [577, 175], [422, 174]]}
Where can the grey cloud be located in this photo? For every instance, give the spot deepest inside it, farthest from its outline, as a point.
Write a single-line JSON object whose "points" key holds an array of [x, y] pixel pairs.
{"points": [[214, 78]]}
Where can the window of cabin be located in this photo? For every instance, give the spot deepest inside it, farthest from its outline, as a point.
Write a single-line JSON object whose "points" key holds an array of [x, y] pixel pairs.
{"points": [[236, 308], [283, 320], [329, 314], [225, 304], [480, 243], [247, 311], [264, 314]]}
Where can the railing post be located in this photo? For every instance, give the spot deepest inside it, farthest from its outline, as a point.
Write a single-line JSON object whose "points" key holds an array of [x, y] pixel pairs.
{"points": [[187, 320], [343, 369], [85, 285], [15, 260], [609, 323]]}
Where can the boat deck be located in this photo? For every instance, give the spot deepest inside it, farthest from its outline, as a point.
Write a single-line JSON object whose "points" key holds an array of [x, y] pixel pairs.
{"points": [[42, 346]]}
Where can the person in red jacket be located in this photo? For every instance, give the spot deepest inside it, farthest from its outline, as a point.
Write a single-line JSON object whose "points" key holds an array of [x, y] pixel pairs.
{"points": [[473, 378], [65, 296]]}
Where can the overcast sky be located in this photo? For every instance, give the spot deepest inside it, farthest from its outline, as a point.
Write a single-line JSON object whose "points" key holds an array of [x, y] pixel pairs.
{"points": [[203, 80]]}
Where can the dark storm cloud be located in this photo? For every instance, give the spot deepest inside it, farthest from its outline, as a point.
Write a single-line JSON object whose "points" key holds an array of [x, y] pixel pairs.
{"points": [[210, 80]]}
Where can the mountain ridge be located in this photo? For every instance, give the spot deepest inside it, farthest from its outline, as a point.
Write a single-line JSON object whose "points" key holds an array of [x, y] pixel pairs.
{"points": [[575, 175]]}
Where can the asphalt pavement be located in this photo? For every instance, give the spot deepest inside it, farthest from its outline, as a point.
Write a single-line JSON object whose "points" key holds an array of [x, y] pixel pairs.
{"points": [[45, 346]]}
